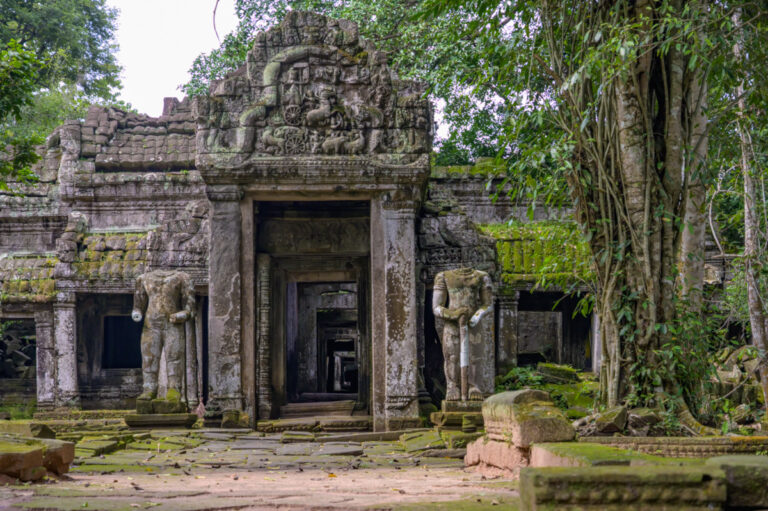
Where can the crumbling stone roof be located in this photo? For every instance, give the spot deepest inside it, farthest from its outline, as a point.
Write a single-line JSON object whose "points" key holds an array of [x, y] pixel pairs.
{"points": [[118, 140], [27, 278]]}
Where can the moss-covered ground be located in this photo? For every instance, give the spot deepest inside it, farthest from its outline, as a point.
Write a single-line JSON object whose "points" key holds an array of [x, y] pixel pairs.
{"points": [[214, 469]]}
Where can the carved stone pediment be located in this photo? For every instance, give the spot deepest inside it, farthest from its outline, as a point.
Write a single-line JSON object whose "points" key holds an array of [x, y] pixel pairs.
{"points": [[312, 89]]}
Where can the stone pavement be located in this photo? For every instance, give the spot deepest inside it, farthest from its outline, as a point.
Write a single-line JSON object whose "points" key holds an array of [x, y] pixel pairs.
{"points": [[213, 469]]}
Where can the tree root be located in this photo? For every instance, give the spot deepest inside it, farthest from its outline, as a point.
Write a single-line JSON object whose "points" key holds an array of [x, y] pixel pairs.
{"points": [[689, 422]]}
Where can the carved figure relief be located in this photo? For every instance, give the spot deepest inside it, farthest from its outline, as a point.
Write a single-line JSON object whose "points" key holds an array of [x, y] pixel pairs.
{"points": [[469, 298], [312, 87]]}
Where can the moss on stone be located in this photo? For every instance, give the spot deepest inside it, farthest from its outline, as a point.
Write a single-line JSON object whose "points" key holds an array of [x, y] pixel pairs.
{"points": [[526, 252]]}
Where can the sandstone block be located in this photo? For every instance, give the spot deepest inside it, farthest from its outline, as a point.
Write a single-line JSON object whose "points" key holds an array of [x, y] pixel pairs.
{"points": [[613, 420], [186, 420], [486, 453], [21, 460], [622, 488], [27, 428], [746, 478], [555, 373], [524, 417]]}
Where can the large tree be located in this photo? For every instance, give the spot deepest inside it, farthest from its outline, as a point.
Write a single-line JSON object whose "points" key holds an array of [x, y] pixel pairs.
{"points": [[625, 115], [58, 56]]}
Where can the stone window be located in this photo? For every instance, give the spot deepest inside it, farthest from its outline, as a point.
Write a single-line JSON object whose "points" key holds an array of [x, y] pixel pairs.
{"points": [[17, 348]]}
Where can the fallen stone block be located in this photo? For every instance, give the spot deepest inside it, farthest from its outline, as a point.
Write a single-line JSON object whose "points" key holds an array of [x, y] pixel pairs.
{"points": [[414, 442], [27, 428], [556, 373], [297, 436], [633, 488], [22, 461], [746, 478], [523, 417], [330, 449], [493, 455], [57, 454], [155, 420], [611, 421], [96, 447]]}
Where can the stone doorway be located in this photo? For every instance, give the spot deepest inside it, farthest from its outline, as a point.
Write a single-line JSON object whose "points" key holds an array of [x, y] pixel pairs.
{"points": [[313, 259], [326, 363]]}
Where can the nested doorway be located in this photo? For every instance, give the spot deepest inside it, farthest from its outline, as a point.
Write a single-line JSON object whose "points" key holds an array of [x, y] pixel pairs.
{"points": [[319, 272]]}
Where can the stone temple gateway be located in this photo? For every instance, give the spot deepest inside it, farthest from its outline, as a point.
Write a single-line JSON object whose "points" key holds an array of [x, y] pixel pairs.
{"points": [[299, 197]]}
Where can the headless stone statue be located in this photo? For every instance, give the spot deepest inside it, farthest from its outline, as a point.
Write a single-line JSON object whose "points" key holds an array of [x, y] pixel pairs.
{"points": [[166, 299], [467, 347]]}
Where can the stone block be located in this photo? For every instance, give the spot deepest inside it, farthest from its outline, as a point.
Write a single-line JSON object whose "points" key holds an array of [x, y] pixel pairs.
{"points": [[454, 420], [27, 428], [21, 461], [622, 488], [296, 436], [153, 420], [612, 420], [524, 417], [57, 454], [746, 478], [555, 373], [96, 447], [415, 442], [485, 454]]}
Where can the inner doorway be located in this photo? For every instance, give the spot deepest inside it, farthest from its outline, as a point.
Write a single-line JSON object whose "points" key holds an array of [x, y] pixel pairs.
{"points": [[319, 271]]}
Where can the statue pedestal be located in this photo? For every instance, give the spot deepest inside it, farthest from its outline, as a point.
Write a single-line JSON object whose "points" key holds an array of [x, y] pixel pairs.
{"points": [[165, 420], [161, 406], [459, 415]]}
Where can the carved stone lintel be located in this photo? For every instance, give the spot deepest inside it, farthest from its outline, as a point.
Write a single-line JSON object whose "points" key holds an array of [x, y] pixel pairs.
{"points": [[223, 193]]}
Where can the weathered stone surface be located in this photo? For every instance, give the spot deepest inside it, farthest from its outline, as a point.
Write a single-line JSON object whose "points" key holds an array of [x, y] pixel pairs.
{"points": [[686, 447], [96, 447], [414, 442], [486, 453], [642, 417], [523, 417], [622, 488], [746, 479], [27, 428], [555, 373], [611, 421], [297, 436], [57, 454], [21, 461], [186, 420], [334, 449]]}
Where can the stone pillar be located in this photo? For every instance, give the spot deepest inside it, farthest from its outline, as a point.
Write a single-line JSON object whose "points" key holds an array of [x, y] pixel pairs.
{"points": [[263, 337], [65, 351], [46, 360], [224, 289], [395, 357], [506, 341]]}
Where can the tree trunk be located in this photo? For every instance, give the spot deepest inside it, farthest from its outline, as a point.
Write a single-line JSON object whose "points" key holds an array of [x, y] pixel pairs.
{"points": [[757, 316]]}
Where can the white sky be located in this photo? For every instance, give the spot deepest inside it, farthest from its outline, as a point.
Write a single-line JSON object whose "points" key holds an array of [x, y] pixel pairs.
{"points": [[158, 41]]}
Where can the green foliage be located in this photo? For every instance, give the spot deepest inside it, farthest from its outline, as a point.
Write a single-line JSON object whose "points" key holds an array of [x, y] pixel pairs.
{"points": [[21, 411], [71, 39], [734, 299], [519, 378], [686, 358], [18, 75]]}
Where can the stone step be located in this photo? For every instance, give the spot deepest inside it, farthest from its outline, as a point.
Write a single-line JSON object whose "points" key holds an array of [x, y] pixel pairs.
{"points": [[333, 408]]}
